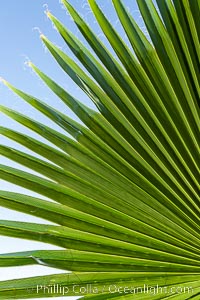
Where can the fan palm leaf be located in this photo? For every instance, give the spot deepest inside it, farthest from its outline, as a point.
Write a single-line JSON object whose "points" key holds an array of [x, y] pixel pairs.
{"points": [[123, 185]]}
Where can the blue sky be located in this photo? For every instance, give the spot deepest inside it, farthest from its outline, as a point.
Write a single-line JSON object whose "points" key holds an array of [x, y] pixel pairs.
{"points": [[20, 24]]}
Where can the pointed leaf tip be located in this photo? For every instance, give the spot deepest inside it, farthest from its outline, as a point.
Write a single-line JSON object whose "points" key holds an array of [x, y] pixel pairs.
{"points": [[66, 4], [28, 63], [48, 13], [2, 80], [46, 9], [42, 36]]}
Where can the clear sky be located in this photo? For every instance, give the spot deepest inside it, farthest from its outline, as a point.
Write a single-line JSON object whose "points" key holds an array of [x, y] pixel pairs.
{"points": [[20, 24]]}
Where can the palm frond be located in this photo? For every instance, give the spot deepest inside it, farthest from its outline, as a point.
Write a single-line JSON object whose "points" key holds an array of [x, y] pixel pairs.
{"points": [[124, 189]]}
